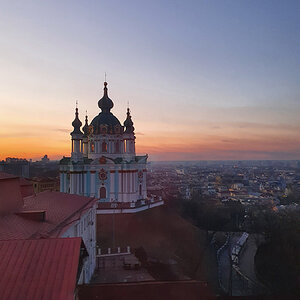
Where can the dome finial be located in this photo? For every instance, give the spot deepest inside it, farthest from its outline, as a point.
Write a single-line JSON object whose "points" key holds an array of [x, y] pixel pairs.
{"points": [[76, 123], [105, 103], [128, 122], [85, 128]]}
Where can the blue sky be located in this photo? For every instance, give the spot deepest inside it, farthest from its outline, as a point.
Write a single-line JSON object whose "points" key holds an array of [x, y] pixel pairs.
{"points": [[194, 72]]}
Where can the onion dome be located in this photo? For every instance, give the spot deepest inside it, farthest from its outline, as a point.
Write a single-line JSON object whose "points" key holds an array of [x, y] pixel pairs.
{"points": [[85, 128], [105, 117], [76, 124], [105, 103], [128, 123]]}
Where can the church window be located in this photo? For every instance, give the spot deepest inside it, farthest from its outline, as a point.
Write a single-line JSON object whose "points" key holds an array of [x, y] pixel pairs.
{"points": [[103, 129], [92, 147], [104, 147], [117, 147], [102, 192]]}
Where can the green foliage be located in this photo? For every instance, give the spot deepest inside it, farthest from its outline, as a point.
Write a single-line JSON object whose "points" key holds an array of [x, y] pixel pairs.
{"points": [[209, 215], [293, 196], [278, 261]]}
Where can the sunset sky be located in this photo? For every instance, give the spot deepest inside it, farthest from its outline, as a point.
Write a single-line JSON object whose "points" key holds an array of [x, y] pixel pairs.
{"points": [[204, 79]]}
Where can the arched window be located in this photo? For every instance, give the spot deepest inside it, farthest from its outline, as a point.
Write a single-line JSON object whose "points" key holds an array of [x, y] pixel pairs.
{"points": [[104, 147], [102, 192], [117, 149], [92, 147], [140, 190]]}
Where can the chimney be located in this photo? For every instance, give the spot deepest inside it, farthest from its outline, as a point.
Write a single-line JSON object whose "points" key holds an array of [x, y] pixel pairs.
{"points": [[33, 215]]}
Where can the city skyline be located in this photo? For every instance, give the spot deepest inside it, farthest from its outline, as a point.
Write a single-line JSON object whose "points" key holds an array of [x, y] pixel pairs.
{"points": [[204, 80]]}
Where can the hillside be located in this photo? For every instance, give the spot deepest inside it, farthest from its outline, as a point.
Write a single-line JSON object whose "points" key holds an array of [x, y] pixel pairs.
{"points": [[163, 234]]}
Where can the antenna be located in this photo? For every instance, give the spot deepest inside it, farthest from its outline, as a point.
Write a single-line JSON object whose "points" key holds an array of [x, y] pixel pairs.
{"points": [[76, 103], [105, 76]]}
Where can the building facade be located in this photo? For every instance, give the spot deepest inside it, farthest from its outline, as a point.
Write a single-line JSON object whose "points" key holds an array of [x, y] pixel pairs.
{"points": [[85, 227], [103, 162]]}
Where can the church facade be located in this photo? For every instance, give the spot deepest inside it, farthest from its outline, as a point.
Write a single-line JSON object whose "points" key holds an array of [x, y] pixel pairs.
{"points": [[103, 161]]}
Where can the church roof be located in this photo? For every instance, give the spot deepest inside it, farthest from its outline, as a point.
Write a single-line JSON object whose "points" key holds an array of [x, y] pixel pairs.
{"points": [[105, 117], [128, 123], [76, 124], [105, 103]]}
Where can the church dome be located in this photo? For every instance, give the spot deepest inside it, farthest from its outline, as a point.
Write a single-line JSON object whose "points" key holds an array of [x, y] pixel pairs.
{"points": [[128, 123], [105, 117], [85, 128], [105, 103], [76, 124]]}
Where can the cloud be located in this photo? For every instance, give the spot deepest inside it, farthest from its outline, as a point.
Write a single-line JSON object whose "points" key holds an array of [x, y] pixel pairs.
{"points": [[62, 130]]}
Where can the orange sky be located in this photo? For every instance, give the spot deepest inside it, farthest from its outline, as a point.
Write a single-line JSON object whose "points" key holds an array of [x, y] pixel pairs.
{"points": [[198, 85], [185, 142]]}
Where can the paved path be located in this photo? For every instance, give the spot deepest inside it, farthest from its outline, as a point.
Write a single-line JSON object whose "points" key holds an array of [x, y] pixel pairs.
{"points": [[246, 261], [224, 262], [112, 271], [244, 280]]}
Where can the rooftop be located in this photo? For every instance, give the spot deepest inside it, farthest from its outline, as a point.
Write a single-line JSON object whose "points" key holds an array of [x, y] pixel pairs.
{"points": [[39, 269], [61, 210]]}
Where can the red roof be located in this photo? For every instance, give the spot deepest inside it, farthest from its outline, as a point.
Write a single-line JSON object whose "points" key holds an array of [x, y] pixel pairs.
{"points": [[61, 211], [41, 269], [10, 194], [26, 187]]}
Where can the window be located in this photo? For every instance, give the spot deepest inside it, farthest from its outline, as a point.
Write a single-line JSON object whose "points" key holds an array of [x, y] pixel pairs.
{"points": [[117, 149], [104, 147], [140, 190], [92, 147], [102, 192]]}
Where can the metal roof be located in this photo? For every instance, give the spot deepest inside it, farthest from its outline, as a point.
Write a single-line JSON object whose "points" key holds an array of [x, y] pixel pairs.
{"points": [[43, 269], [62, 210]]}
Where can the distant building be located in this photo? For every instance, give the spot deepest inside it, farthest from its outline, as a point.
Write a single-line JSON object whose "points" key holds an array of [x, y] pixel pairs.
{"points": [[48, 215], [15, 166], [103, 162], [42, 184], [45, 159]]}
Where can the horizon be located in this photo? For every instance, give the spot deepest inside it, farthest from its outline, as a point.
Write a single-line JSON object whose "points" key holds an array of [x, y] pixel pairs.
{"points": [[205, 80]]}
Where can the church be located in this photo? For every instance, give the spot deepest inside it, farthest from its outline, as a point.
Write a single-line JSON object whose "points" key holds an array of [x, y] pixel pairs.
{"points": [[103, 162]]}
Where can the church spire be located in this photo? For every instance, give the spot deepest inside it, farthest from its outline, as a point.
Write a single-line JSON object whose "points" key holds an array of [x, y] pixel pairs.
{"points": [[85, 128], [105, 103], [76, 123], [128, 123]]}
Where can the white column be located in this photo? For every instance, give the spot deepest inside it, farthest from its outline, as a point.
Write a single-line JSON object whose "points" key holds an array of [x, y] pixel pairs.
{"points": [[71, 183], [112, 186], [65, 182], [77, 184], [93, 178], [121, 187], [61, 182], [85, 184], [81, 184]]}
